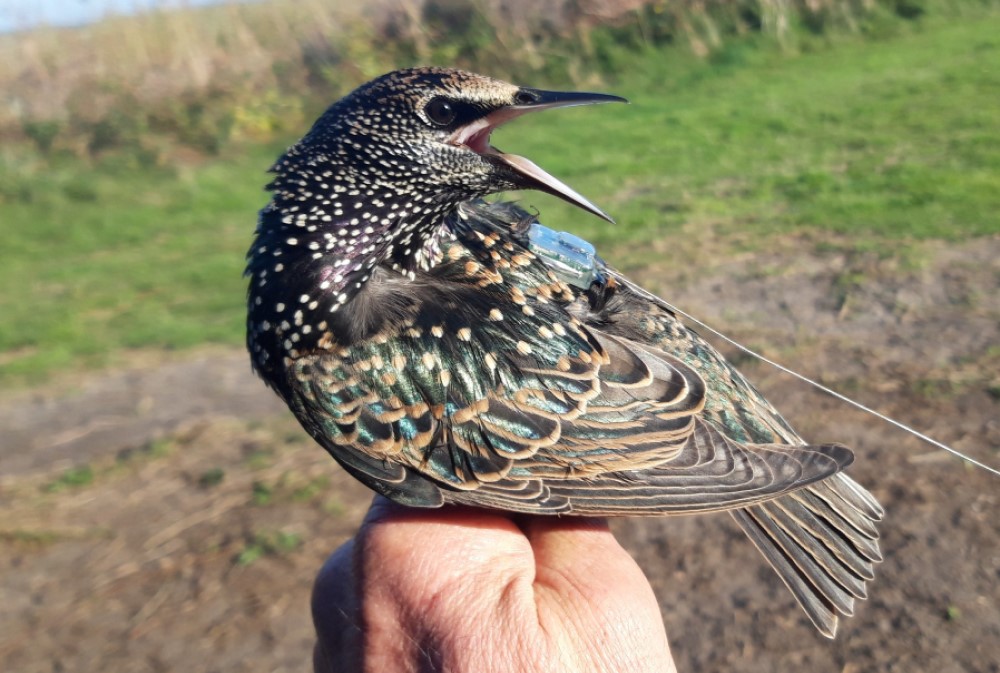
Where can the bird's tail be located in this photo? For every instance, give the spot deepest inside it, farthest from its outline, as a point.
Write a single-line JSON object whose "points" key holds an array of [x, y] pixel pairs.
{"points": [[822, 542]]}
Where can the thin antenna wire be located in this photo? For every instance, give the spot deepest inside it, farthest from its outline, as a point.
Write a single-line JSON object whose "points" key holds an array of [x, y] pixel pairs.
{"points": [[829, 391]]}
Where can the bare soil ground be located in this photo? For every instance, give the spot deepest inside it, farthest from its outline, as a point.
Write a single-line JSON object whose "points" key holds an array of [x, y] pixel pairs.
{"points": [[194, 513]]}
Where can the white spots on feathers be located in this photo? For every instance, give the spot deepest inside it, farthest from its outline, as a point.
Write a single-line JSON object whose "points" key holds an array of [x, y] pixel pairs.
{"points": [[364, 190]]}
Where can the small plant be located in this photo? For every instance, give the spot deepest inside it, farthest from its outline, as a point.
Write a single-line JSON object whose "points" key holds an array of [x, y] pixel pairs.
{"points": [[275, 543], [258, 459], [250, 553], [43, 133], [159, 448], [156, 448], [211, 477], [262, 494], [313, 488], [74, 477]]}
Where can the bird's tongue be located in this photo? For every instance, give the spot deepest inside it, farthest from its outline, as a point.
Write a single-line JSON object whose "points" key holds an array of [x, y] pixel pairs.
{"points": [[476, 137], [542, 181]]}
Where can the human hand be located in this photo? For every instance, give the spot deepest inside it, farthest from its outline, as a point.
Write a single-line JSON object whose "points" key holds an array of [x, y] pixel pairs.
{"points": [[462, 590]]}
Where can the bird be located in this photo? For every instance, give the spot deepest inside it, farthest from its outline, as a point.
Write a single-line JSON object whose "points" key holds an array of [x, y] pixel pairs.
{"points": [[449, 349]]}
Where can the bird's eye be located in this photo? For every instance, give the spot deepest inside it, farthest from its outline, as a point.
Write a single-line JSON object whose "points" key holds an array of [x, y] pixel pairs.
{"points": [[440, 111], [525, 97]]}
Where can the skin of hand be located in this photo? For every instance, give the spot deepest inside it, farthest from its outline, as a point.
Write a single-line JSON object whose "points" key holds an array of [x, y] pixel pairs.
{"points": [[461, 590]]}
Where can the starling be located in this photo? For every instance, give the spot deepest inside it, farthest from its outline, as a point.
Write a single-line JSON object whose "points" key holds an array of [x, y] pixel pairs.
{"points": [[448, 350]]}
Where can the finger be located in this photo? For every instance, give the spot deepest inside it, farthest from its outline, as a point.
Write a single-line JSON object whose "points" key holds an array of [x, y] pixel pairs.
{"points": [[422, 574], [591, 591], [336, 612], [583, 551], [429, 551]]}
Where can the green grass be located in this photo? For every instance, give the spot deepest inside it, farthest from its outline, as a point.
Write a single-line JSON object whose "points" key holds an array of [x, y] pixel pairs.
{"points": [[72, 478], [147, 258], [880, 140], [884, 140]]}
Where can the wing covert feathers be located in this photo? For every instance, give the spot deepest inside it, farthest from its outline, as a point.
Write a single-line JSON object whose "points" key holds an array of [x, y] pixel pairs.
{"points": [[496, 384]]}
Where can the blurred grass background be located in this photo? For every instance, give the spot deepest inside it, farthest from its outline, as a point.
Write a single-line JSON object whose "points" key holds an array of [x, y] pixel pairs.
{"points": [[134, 149]]}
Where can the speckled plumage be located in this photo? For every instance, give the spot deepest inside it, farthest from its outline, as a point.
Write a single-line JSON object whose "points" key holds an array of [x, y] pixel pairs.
{"points": [[420, 337]]}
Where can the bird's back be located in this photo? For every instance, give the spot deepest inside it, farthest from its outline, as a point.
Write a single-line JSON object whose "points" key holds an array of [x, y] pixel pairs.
{"points": [[496, 383]]}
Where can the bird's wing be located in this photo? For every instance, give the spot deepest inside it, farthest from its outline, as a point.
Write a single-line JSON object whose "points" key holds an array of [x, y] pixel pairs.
{"points": [[822, 540], [732, 404], [500, 397]]}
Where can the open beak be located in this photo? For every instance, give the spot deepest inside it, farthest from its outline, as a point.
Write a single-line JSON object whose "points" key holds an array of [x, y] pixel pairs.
{"points": [[476, 137]]}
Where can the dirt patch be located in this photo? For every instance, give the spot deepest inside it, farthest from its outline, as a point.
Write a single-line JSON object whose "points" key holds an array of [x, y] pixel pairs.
{"points": [[188, 534], [68, 423]]}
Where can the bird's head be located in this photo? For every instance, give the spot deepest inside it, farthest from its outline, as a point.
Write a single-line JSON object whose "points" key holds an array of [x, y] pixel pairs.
{"points": [[424, 133]]}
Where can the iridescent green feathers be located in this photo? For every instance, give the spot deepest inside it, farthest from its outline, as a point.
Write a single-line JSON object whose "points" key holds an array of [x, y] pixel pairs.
{"points": [[498, 373], [497, 385]]}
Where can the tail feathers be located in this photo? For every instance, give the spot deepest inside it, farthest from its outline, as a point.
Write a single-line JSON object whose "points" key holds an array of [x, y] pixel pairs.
{"points": [[822, 542]]}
